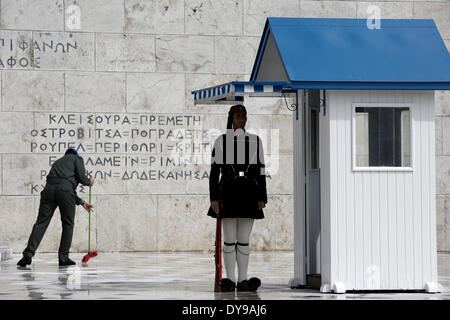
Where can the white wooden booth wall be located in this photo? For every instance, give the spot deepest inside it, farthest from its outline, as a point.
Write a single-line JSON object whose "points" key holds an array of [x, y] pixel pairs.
{"points": [[378, 228]]}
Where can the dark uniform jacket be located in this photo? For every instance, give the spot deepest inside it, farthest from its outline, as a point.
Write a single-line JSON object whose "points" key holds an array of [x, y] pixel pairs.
{"points": [[242, 183], [69, 170]]}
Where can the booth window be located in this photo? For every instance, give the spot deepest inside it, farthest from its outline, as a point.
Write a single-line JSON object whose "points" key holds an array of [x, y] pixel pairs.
{"points": [[382, 137]]}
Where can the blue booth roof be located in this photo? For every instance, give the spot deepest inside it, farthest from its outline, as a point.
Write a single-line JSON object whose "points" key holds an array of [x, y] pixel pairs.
{"points": [[320, 53], [341, 54]]}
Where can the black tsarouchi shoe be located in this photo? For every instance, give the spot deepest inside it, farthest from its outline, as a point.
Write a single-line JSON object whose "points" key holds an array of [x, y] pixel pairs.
{"points": [[249, 285], [226, 285]]}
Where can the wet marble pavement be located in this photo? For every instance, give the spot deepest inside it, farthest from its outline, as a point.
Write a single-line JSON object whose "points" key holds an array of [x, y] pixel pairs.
{"points": [[177, 275]]}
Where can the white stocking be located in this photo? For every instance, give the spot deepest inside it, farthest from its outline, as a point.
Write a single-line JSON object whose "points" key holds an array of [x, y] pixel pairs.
{"points": [[236, 229], [229, 248], [244, 228]]}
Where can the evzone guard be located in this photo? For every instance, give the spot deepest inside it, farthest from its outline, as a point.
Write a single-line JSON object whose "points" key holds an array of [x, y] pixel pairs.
{"points": [[238, 198]]}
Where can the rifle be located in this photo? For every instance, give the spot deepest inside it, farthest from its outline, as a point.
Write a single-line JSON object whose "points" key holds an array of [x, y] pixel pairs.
{"points": [[218, 255]]}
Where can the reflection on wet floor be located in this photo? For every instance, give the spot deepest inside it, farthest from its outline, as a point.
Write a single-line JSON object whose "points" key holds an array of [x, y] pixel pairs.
{"points": [[177, 275]]}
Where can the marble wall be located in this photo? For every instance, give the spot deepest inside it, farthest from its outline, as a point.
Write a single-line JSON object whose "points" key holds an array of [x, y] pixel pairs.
{"points": [[113, 78]]}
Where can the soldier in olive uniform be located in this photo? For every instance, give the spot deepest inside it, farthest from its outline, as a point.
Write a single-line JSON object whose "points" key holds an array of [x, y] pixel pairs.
{"points": [[60, 191]]}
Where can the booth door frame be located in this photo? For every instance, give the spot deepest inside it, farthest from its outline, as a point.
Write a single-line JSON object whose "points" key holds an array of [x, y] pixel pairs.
{"points": [[301, 161], [299, 279], [312, 215]]}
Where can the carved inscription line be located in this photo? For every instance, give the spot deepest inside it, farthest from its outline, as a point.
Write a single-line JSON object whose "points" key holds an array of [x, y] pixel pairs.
{"points": [[149, 136], [34, 60]]}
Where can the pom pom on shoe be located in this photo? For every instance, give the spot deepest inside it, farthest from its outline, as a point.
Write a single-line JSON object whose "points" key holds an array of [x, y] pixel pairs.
{"points": [[227, 285]]}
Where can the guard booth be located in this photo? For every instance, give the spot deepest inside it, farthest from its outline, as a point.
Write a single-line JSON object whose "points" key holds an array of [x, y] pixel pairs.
{"points": [[364, 146]]}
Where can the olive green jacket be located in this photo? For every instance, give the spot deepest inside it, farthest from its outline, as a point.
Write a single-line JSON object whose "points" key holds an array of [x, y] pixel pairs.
{"points": [[70, 168]]}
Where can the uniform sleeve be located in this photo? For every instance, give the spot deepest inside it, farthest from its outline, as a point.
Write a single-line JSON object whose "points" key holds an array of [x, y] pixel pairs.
{"points": [[78, 200], [214, 175], [80, 172], [261, 177]]}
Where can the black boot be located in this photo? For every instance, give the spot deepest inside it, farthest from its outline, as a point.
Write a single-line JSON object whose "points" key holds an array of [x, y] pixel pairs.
{"points": [[24, 261], [66, 262]]}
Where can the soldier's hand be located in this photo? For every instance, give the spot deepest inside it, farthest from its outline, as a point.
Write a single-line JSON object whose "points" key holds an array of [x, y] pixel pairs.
{"points": [[215, 206], [261, 204], [88, 206], [92, 180]]}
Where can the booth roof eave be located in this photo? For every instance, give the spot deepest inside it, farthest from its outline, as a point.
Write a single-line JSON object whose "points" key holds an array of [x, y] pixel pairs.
{"points": [[234, 92], [360, 85]]}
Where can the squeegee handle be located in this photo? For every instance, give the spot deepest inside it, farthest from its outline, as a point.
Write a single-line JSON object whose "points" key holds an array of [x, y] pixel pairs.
{"points": [[89, 236]]}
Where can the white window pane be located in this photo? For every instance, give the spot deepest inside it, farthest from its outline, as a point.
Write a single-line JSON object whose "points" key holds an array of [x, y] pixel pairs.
{"points": [[382, 137]]}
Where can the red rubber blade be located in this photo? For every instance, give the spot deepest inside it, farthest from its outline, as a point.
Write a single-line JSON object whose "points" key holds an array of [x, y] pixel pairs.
{"points": [[88, 256]]}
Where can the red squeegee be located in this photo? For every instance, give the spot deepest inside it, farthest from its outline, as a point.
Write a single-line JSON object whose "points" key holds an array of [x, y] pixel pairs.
{"points": [[93, 253]]}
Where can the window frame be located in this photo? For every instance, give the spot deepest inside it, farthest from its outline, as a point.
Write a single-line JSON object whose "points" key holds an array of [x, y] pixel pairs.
{"points": [[411, 132]]}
